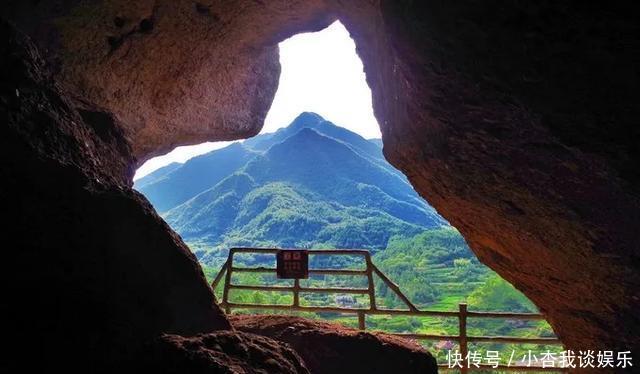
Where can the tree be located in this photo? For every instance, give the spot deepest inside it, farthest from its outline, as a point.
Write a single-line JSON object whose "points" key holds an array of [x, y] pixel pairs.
{"points": [[496, 294]]}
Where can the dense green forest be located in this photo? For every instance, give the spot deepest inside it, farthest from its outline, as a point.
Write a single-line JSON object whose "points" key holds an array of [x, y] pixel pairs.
{"points": [[316, 185]]}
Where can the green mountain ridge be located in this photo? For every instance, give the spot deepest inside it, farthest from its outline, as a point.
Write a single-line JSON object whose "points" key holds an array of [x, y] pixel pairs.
{"points": [[309, 184], [337, 171], [194, 176], [156, 175]]}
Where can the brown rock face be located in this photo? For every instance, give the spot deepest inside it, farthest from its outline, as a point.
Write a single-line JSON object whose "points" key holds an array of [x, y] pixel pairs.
{"points": [[157, 65], [520, 129], [516, 120], [220, 352], [329, 348]]}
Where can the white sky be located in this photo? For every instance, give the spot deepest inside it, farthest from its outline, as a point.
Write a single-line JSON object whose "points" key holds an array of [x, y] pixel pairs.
{"points": [[321, 73]]}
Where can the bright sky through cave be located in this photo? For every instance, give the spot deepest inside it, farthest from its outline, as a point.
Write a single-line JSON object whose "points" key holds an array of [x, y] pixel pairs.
{"points": [[321, 73]]}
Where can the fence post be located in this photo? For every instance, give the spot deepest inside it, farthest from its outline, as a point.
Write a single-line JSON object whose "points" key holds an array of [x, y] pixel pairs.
{"points": [[227, 281], [223, 271], [361, 321], [296, 290], [464, 351], [372, 287]]}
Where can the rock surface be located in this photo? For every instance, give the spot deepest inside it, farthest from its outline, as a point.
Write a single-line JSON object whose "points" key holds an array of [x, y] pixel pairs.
{"points": [[520, 128], [517, 121], [90, 272], [329, 348], [220, 352], [157, 65]]}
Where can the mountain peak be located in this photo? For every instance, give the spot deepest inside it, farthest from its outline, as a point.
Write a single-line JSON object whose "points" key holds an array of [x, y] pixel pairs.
{"points": [[305, 119]]}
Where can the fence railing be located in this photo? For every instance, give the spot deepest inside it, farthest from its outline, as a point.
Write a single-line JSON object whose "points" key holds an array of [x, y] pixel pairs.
{"points": [[462, 314]]}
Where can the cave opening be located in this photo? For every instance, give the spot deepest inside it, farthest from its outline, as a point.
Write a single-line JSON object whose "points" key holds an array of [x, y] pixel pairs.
{"points": [[319, 131], [514, 120]]}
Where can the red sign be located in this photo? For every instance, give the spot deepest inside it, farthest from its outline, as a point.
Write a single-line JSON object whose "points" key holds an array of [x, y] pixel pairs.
{"points": [[292, 264]]}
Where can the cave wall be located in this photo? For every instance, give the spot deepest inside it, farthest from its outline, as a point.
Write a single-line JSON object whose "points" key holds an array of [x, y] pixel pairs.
{"points": [[158, 65], [90, 272], [519, 126], [515, 120]]}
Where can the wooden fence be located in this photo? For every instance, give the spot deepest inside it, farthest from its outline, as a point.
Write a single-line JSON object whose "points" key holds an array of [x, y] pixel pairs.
{"points": [[462, 314]]}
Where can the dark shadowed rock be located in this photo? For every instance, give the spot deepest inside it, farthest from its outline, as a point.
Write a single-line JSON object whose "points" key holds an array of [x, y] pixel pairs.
{"points": [[92, 272], [220, 352], [329, 348]]}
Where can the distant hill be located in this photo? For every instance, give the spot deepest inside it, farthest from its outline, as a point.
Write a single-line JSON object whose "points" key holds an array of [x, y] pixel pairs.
{"points": [[194, 176], [309, 184], [156, 175]]}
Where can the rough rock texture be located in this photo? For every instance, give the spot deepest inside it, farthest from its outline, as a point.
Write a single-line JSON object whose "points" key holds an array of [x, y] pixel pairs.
{"points": [[89, 270], [519, 124], [220, 352], [517, 120], [157, 65], [329, 348]]}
